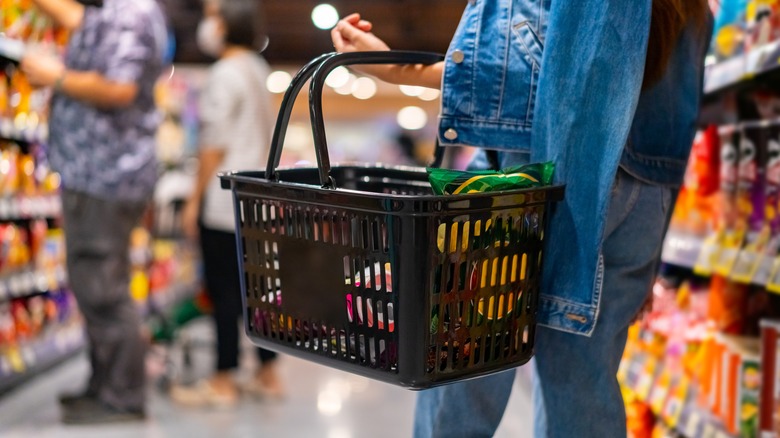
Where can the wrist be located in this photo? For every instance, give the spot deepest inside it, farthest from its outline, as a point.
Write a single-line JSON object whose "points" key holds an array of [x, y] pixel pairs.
{"points": [[59, 82]]}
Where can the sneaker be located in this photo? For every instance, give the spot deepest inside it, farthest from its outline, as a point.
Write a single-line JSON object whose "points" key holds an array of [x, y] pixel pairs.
{"points": [[266, 384], [75, 398], [203, 394], [93, 411]]}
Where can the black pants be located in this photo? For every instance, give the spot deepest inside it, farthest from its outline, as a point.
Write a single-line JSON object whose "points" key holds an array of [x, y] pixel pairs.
{"points": [[98, 234], [220, 266]]}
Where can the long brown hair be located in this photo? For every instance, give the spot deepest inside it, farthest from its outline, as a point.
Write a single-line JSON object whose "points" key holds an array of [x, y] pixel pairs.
{"points": [[669, 19]]}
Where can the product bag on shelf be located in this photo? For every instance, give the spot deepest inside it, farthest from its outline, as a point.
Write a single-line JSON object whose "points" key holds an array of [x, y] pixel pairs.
{"points": [[729, 31], [741, 374], [770, 379], [720, 249], [751, 201]]}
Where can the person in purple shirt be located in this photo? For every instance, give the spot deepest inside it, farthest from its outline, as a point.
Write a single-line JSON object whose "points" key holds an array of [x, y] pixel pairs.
{"points": [[101, 141]]}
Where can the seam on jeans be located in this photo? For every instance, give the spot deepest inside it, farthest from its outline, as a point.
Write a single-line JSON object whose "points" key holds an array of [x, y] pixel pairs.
{"points": [[495, 122], [586, 334], [598, 287], [561, 301], [474, 55], [630, 204], [508, 39]]}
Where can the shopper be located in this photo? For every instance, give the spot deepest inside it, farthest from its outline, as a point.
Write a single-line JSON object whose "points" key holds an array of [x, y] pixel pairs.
{"points": [[236, 127], [101, 141], [611, 98]]}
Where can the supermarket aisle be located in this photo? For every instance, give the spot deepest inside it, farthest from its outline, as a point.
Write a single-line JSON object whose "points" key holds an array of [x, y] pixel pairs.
{"points": [[321, 403]]}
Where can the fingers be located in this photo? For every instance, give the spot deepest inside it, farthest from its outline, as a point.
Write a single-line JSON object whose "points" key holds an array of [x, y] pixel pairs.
{"points": [[364, 25], [353, 18], [348, 31], [338, 41]]}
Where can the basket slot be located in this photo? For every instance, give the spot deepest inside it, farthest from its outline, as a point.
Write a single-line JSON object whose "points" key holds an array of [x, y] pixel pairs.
{"points": [[479, 312]]}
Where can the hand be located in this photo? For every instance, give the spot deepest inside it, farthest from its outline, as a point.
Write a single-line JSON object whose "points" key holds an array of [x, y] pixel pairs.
{"points": [[352, 34], [189, 219], [42, 70]]}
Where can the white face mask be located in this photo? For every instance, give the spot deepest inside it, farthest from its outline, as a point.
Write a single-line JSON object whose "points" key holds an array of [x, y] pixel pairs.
{"points": [[210, 40]]}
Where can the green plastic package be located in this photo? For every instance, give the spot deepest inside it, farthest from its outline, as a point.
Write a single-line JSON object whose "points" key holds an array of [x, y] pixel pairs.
{"points": [[457, 182]]}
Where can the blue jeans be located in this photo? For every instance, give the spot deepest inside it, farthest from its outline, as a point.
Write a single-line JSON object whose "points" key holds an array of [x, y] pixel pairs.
{"points": [[576, 392]]}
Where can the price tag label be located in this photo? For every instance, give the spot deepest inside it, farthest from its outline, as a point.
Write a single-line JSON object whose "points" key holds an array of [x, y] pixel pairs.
{"points": [[746, 266], [709, 255], [693, 425], [773, 285]]}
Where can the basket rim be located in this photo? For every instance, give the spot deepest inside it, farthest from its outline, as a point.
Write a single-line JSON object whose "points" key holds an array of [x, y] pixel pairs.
{"points": [[553, 192]]}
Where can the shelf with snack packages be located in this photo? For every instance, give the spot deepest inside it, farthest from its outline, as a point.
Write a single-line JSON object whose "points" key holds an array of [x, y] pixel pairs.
{"points": [[164, 271], [694, 363], [23, 109], [745, 44], [39, 320], [727, 218], [36, 333]]}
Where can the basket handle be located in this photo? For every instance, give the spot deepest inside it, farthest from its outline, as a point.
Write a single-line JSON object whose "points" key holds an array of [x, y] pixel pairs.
{"points": [[319, 68]]}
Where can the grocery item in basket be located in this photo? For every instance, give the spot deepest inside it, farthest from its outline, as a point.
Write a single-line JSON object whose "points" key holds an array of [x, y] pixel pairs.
{"points": [[457, 182]]}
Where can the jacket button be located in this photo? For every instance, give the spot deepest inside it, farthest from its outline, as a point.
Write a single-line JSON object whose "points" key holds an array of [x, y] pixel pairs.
{"points": [[458, 56], [450, 134]]}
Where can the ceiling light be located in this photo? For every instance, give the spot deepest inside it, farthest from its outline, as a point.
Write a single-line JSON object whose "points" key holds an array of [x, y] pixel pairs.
{"points": [[324, 16], [364, 88], [337, 78], [412, 118], [411, 90], [278, 81], [430, 94], [347, 87]]}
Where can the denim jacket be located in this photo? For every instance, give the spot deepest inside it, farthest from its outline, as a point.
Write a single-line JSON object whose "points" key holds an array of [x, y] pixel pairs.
{"points": [[574, 103]]}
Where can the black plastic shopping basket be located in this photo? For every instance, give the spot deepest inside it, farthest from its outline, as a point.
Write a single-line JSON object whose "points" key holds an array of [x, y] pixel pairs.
{"points": [[365, 270]]}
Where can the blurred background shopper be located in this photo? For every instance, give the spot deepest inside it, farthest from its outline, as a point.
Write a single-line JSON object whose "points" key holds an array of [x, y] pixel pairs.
{"points": [[236, 128], [101, 141]]}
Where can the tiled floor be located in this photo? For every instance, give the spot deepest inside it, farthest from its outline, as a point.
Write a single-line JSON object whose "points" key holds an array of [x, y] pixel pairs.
{"points": [[321, 403]]}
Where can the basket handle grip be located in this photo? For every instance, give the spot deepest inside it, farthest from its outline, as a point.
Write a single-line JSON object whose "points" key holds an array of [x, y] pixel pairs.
{"points": [[319, 68]]}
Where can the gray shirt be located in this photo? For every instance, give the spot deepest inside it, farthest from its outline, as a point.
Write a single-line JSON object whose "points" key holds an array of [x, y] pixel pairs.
{"points": [[236, 116], [111, 153]]}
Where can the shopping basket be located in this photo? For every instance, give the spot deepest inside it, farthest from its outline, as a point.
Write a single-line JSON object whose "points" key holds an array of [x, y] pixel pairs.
{"points": [[363, 269]]}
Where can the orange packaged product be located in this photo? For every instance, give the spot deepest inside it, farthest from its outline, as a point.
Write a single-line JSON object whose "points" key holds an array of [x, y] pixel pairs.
{"points": [[727, 304]]}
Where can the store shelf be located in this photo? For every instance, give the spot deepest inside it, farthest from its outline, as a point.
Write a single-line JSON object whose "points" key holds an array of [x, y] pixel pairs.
{"points": [[29, 207], [23, 132], [20, 363], [741, 69], [30, 282], [681, 249], [684, 416]]}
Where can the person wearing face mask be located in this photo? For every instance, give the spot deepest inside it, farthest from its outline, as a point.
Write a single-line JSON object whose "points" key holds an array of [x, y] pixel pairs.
{"points": [[102, 142], [236, 128]]}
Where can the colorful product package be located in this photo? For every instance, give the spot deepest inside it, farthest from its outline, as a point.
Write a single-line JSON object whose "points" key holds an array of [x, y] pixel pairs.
{"points": [[747, 409], [726, 211], [760, 23], [742, 377], [773, 205], [769, 423], [694, 212], [751, 200], [737, 176], [729, 30], [727, 305]]}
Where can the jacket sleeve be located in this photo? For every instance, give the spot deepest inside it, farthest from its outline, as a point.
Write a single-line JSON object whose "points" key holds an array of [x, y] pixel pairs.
{"points": [[591, 77]]}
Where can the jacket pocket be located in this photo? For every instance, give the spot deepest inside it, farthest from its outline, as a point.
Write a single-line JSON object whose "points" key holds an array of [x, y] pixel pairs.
{"points": [[522, 74]]}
